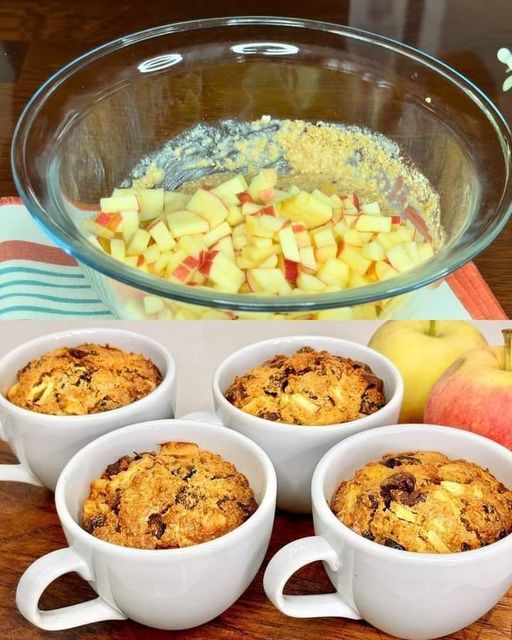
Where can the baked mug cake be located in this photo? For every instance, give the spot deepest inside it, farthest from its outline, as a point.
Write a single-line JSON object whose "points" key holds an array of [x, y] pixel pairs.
{"points": [[62, 390], [310, 387], [84, 379], [424, 501], [178, 530], [177, 497]]}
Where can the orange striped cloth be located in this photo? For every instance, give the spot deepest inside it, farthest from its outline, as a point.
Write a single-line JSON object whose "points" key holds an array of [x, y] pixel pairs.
{"points": [[39, 280]]}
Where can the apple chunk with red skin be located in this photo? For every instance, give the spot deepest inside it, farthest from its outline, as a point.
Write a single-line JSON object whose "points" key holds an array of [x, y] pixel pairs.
{"points": [[475, 393]]}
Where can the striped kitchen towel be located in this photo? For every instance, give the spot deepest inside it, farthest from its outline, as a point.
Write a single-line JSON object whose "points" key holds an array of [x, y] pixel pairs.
{"points": [[39, 280]]}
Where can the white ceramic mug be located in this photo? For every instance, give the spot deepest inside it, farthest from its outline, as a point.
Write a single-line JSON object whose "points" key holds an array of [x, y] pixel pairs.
{"points": [[295, 449], [410, 595], [167, 588], [44, 443]]}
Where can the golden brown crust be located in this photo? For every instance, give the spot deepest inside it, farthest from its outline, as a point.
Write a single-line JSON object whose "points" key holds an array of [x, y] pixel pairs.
{"points": [[423, 501], [178, 497], [308, 388], [85, 379]]}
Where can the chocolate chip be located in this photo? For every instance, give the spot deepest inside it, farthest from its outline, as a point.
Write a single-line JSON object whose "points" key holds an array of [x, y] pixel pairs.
{"points": [[116, 467], [157, 525], [392, 461], [272, 394], [116, 503], [368, 536], [502, 534], [410, 499], [393, 544], [400, 481], [77, 353], [187, 498], [373, 500], [189, 473], [94, 522], [85, 377], [465, 547], [486, 508], [269, 415]]}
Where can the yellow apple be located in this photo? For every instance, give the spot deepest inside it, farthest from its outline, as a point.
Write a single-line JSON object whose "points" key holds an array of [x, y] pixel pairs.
{"points": [[475, 393], [422, 350]]}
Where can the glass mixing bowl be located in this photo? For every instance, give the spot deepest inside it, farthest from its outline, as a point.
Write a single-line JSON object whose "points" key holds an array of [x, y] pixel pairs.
{"points": [[89, 124]]}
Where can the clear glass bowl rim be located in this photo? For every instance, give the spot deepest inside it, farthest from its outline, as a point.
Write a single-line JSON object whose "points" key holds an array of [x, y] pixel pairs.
{"points": [[77, 246]]}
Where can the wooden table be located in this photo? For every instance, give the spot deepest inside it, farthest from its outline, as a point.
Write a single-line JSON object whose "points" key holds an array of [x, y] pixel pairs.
{"points": [[39, 36], [29, 526]]}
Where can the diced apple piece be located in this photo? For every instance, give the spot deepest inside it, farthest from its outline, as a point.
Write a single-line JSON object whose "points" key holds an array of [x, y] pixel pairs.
{"points": [[151, 254], [209, 206], [153, 304], [280, 195], [240, 241], [389, 240], [186, 223], [365, 312], [118, 249], [131, 261], [345, 313], [355, 280], [217, 234], [373, 223], [307, 209], [373, 251], [339, 229], [270, 263], [185, 269], [138, 243], [162, 236], [323, 198], [222, 271], [334, 271], [302, 237], [268, 281], [353, 258], [353, 238], [262, 242], [235, 215], [193, 245], [307, 258], [265, 179], [175, 201], [288, 244], [412, 251], [399, 258], [162, 261], [267, 195], [230, 189], [384, 271], [257, 255], [119, 203], [425, 251], [323, 238], [129, 223], [251, 208], [97, 229], [350, 220], [289, 268], [151, 203], [308, 282], [371, 209], [324, 253], [225, 246]]}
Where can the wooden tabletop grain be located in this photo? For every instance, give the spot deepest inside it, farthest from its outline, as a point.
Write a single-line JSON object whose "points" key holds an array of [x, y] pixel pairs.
{"points": [[39, 36]]}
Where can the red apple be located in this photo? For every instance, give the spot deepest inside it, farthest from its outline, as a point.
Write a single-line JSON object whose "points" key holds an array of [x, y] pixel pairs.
{"points": [[475, 393]]}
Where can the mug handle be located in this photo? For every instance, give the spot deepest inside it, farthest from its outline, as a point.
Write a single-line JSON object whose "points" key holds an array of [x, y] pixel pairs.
{"points": [[204, 416], [16, 472], [290, 559], [42, 573]]}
